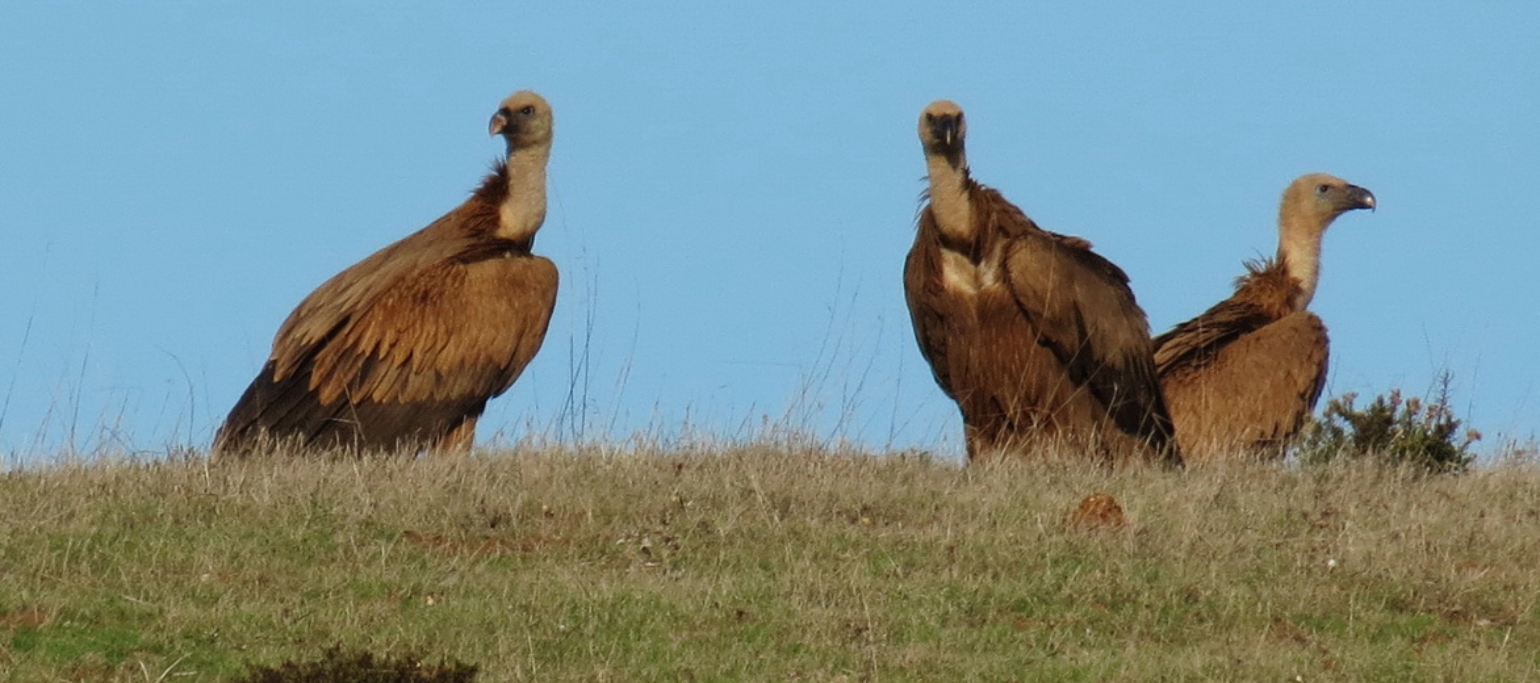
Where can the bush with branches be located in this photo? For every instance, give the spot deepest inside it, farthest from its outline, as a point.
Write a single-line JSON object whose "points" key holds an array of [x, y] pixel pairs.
{"points": [[1414, 432]]}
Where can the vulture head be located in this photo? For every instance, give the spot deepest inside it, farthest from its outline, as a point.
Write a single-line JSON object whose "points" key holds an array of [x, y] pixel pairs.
{"points": [[942, 129], [1309, 205], [524, 120], [1316, 199]]}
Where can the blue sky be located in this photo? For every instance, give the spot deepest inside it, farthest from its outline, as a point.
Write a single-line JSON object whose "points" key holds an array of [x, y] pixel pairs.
{"points": [[733, 190]]}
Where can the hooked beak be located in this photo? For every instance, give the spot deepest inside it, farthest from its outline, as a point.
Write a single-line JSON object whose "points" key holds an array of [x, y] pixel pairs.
{"points": [[500, 121], [1360, 198]]}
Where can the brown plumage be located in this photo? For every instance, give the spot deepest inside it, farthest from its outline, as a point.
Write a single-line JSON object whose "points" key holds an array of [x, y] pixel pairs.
{"points": [[1037, 338], [402, 350], [1241, 378]]}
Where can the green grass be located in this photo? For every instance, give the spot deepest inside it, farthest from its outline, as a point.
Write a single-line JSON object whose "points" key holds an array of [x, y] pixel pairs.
{"points": [[753, 563]]}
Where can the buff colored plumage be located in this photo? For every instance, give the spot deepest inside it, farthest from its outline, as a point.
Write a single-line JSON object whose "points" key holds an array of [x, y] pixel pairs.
{"points": [[1241, 378], [402, 351]]}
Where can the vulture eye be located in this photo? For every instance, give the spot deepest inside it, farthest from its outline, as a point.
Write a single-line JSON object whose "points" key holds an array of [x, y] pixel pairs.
{"points": [[1322, 189], [529, 110]]}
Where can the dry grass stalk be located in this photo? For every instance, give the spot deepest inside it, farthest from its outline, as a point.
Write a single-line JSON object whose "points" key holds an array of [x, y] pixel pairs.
{"points": [[752, 562]]}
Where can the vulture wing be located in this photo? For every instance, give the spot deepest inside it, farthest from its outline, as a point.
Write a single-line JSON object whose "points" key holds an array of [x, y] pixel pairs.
{"points": [[1086, 315], [1195, 342], [356, 288], [1253, 391], [403, 361], [928, 310]]}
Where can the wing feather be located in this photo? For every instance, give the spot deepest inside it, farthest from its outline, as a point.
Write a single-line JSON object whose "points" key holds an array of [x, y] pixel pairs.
{"points": [[925, 297], [452, 330], [409, 363], [1086, 314], [1254, 392], [1194, 342]]}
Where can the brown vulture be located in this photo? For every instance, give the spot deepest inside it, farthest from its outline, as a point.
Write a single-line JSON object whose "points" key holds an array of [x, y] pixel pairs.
{"points": [[402, 350], [1036, 337], [1241, 378]]}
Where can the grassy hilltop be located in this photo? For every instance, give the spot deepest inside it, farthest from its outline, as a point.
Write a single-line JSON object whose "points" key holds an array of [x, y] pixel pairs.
{"points": [[769, 563]]}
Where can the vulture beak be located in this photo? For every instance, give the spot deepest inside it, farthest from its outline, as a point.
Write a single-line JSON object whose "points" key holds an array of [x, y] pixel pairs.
{"points": [[1360, 198], [944, 129], [500, 121]]}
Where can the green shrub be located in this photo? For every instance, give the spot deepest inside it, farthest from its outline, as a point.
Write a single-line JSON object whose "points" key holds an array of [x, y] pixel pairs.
{"points": [[1420, 433], [361, 667]]}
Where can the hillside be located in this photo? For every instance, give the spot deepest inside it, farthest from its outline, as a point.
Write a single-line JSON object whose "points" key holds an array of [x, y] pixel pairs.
{"points": [[761, 563]]}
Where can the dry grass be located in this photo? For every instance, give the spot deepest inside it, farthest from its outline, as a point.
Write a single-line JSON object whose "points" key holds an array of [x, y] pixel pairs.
{"points": [[750, 563]]}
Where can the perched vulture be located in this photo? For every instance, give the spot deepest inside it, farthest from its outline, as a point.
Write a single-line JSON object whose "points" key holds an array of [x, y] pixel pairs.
{"points": [[1241, 378], [402, 350], [1037, 338]]}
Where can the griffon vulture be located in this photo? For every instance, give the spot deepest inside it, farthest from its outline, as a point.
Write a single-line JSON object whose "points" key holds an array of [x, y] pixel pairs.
{"points": [[1241, 378], [1036, 337], [401, 351]]}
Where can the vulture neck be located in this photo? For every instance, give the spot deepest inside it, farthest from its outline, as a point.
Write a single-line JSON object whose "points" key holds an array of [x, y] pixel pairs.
{"points": [[949, 195], [523, 210], [1299, 250]]}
